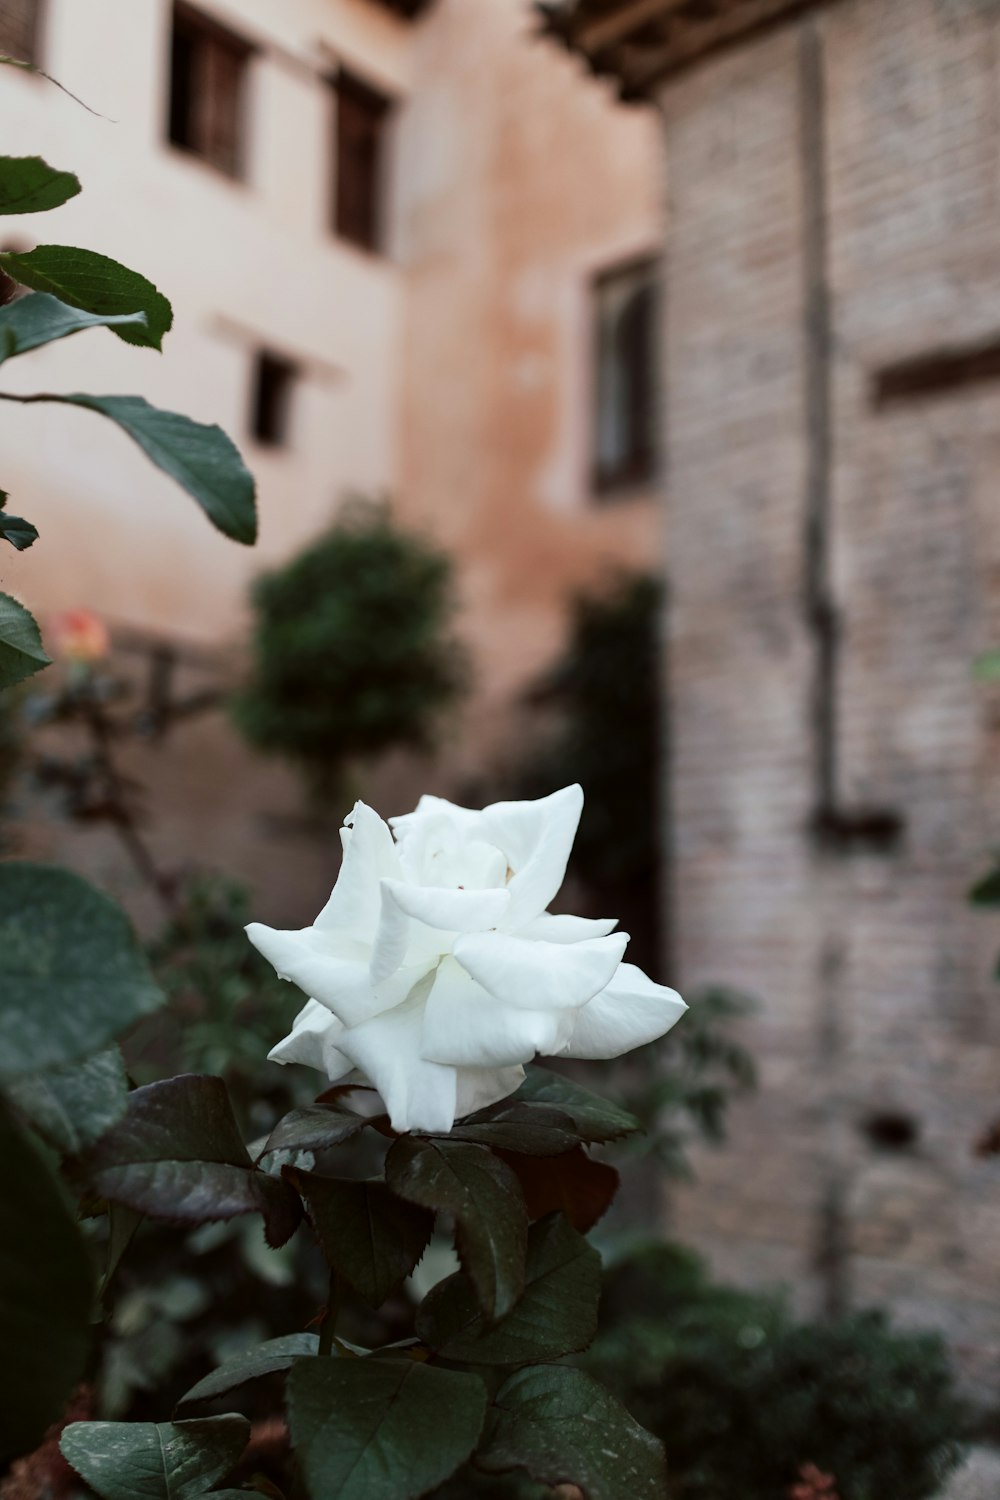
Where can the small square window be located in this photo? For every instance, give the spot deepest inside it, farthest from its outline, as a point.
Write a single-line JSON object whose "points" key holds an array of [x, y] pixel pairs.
{"points": [[625, 395], [208, 72], [273, 383], [20, 28], [362, 116]]}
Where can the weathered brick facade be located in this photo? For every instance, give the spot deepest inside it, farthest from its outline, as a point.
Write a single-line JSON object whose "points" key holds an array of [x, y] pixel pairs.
{"points": [[834, 192]]}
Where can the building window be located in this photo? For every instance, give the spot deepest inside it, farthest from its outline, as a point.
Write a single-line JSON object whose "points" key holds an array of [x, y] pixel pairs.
{"points": [[625, 416], [208, 73], [20, 27], [362, 116], [273, 382]]}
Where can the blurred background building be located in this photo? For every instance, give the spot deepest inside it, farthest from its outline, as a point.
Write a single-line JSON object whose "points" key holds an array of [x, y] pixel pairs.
{"points": [[415, 251], [410, 255], [831, 347]]}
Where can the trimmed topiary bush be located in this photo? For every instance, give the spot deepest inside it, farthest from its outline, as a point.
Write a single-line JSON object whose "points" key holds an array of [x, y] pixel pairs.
{"points": [[352, 650]]}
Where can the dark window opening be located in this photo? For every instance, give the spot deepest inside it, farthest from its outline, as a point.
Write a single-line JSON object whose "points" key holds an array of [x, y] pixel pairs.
{"points": [[937, 372], [20, 29], [625, 417], [859, 830], [362, 116], [274, 379], [208, 71], [892, 1130]]}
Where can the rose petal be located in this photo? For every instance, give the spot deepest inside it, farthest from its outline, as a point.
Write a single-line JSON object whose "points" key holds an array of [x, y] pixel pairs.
{"points": [[449, 910], [332, 971], [419, 1095], [464, 1025], [566, 929], [464, 820], [354, 906], [537, 838], [480, 1087], [312, 1042], [631, 1011], [540, 976]]}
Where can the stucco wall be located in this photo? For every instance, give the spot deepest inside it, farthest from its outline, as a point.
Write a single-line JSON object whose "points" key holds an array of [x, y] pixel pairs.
{"points": [[244, 263], [520, 179]]}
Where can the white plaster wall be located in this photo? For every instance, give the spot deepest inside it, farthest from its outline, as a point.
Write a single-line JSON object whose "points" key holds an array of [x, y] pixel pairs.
{"points": [[244, 263]]}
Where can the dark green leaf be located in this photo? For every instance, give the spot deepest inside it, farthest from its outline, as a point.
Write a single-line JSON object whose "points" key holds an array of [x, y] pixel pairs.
{"points": [[21, 650], [491, 1222], [123, 1223], [45, 1294], [535, 1129], [265, 1359], [40, 319], [564, 1428], [74, 1104], [557, 1314], [203, 460], [381, 1429], [28, 185], [178, 1155], [986, 892], [572, 1184], [314, 1128], [368, 1236], [72, 974], [95, 284], [15, 529], [596, 1120], [155, 1461]]}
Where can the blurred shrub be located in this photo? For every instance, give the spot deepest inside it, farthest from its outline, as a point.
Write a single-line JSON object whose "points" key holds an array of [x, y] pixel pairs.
{"points": [[745, 1398], [680, 1087], [604, 701], [226, 1005], [351, 647], [604, 695]]}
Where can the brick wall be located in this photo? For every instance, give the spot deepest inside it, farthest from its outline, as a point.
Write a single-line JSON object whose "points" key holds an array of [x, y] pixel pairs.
{"points": [[834, 210]]}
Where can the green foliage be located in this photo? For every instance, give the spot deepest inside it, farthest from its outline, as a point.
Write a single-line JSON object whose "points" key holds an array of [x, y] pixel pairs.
{"points": [[381, 1429], [21, 649], [28, 185], [31, 322], [15, 529], [94, 284], [561, 1425], [368, 1237], [178, 1155], [555, 1315], [266, 1359], [71, 971], [165, 1461], [605, 691], [226, 1004], [202, 459], [743, 1396], [73, 1105], [351, 648], [75, 290], [45, 1293], [483, 1197]]}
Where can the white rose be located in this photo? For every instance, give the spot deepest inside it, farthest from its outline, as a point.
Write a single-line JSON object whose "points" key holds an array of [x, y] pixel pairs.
{"points": [[436, 971]]}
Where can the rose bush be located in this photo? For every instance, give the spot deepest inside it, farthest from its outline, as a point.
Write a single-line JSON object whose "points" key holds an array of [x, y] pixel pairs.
{"points": [[435, 970]]}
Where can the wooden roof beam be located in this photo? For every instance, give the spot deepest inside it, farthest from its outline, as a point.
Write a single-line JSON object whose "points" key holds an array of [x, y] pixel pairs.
{"points": [[622, 23]]}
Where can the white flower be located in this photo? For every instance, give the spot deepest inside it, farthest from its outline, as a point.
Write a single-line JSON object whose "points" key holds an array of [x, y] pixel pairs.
{"points": [[436, 971]]}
